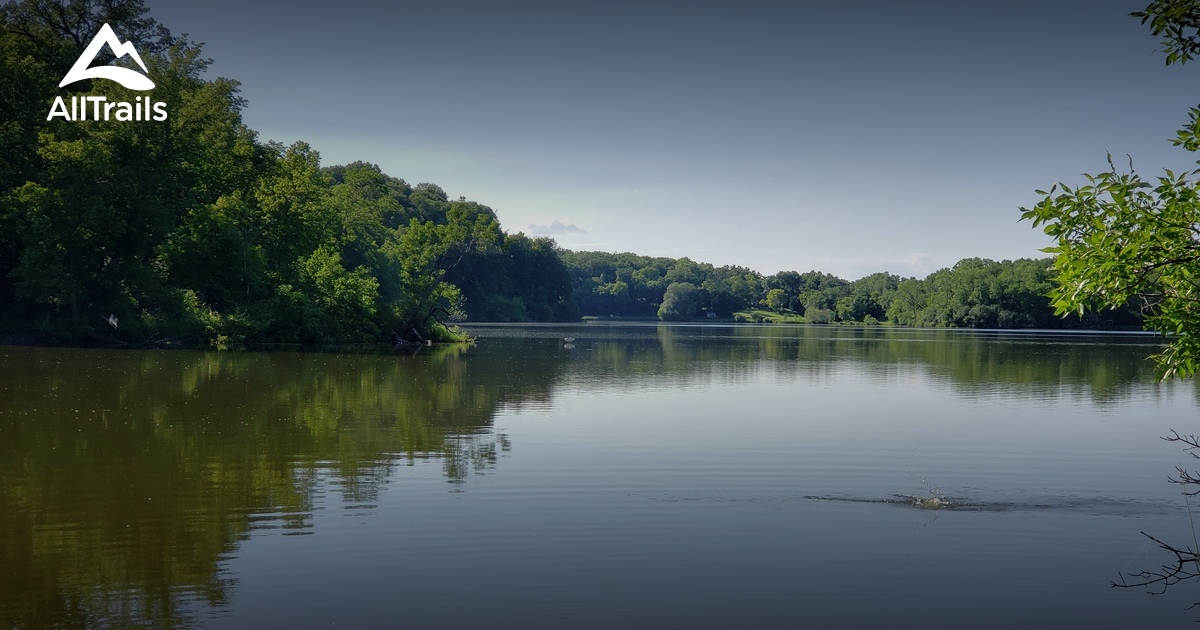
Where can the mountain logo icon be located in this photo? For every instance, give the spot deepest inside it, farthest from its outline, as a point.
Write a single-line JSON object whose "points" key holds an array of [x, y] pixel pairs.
{"points": [[129, 78]]}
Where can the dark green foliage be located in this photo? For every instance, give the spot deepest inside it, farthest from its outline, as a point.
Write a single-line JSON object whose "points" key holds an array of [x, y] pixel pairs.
{"points": [[628, 285], [191, 228], [360, 181], [787, 284], [53, 24], [1177, 23], [828, 298], [429, 202], [975, 293], [869, 297], [980, 293], [821, 291], [679, 302], [812, 289], [522, 280], [624, 285], [730, 288]]}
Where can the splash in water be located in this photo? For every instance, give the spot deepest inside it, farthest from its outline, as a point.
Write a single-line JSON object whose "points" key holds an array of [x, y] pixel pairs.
{"points": [[1099, 504], [924, 503], [931, 503]]}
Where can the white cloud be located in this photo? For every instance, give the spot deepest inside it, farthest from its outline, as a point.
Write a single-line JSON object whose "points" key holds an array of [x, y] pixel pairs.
{"points": [[555, 228]]}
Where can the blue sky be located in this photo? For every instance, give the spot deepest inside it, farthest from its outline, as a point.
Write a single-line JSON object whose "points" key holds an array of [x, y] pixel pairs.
{"points": [[844, 137]]}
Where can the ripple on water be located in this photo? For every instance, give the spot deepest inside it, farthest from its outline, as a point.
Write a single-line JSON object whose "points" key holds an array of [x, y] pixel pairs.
{"points": [[1095, 505]]}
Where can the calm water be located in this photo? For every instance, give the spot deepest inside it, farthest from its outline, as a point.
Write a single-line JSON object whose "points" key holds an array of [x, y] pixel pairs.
{"points": [[648, 476]]}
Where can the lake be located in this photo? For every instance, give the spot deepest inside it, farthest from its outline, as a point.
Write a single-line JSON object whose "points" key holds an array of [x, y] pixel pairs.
{"points": [[639, 476]]}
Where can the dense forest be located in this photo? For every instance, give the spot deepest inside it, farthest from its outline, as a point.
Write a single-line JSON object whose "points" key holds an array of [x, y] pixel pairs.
{"points": [[193, 229], [975, 293]]}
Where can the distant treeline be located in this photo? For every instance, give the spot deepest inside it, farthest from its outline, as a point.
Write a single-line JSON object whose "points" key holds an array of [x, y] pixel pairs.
{"points": [[975, 293], [193, 229]]}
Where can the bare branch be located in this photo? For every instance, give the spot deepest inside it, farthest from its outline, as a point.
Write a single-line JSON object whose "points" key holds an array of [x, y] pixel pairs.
{"points": [[1185, 567]]}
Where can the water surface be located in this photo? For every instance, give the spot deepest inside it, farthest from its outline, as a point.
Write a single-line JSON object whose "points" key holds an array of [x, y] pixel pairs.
{"points": [[644, 476]]}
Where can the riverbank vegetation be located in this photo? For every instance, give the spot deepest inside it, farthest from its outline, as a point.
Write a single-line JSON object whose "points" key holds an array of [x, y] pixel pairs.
{"points": [[974, 293], [195, 229]]}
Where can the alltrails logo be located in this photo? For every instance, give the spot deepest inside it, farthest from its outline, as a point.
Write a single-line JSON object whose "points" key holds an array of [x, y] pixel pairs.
{"points": [[101, 108]]}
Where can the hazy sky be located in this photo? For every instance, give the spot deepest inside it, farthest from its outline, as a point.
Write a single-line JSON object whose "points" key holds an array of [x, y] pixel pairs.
{"points": [[848, 137]]}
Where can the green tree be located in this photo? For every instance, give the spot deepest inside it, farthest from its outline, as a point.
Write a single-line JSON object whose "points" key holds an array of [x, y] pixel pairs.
{"points": [[429, 251], [1120, 238], [76, 22], [523, 279], [731, 288], [775, 300], [908, 302], [818, 315], [981, 293], [871, 295], [625, 284], [190, 228], [67, 230], [680, 302], [790, 284], [92, 208], [294, 210]]}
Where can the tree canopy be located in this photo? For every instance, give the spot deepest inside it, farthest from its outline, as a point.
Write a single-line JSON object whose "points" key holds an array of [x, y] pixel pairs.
{"points": [[1121, 239], [192, 228]]}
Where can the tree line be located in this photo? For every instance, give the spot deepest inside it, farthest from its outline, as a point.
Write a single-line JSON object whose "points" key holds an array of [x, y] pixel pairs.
{"points": [[194, 229], [974, 293]]}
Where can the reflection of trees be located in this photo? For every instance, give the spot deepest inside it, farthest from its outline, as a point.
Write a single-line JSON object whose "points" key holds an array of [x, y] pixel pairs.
{"points": [[1103, 369], [125, 477], [975, 363]]}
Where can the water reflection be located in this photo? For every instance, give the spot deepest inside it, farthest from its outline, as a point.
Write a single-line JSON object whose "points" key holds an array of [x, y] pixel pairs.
{"points": [[1101, 368], [127, 478]]}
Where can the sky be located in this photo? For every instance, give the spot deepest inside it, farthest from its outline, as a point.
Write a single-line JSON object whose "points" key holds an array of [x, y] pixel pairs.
{"points": [[846, 137]]}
